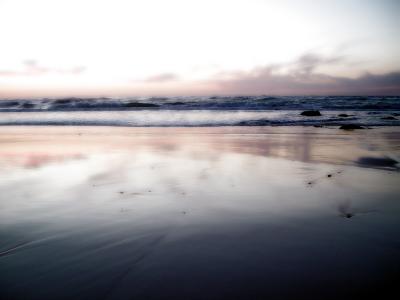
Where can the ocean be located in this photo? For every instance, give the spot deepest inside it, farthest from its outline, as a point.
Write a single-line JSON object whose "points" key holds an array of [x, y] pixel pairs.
{"points": [[203, 111]]}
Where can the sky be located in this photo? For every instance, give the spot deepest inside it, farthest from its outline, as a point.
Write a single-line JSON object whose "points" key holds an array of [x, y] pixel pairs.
{"points": [[58, 48]]}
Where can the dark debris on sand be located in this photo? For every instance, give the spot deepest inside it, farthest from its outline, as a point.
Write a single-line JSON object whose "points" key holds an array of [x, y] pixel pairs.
{"points": [[345, 210], [329, 175], [347, 215]]}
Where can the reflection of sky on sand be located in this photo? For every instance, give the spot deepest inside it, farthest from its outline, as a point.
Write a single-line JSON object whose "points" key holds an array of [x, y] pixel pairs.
{"points": [[35, 160], [134, 211], [48, 144]]}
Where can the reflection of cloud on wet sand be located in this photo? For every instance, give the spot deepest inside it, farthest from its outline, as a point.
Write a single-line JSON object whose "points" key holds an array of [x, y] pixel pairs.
{"points": [[36, 160], [300, 144]]}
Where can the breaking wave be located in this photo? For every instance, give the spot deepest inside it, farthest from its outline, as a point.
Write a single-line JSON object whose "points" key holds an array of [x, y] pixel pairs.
{"points": [[201, 111]]}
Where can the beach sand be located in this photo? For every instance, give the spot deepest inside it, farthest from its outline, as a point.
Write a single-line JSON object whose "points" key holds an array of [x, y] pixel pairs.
{"points": [[198, 213]]}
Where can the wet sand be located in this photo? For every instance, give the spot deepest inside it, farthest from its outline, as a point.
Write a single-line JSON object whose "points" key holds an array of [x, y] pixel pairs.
{"points": [[198, 213]]}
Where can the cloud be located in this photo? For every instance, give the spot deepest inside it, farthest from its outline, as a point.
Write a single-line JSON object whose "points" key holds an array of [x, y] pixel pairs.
{"points": [[161, 78], [33, 68], [307, 63], [301, 78]]}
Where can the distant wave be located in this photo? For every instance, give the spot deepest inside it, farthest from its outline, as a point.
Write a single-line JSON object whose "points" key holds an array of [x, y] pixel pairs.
{"points": [[204, 103]]}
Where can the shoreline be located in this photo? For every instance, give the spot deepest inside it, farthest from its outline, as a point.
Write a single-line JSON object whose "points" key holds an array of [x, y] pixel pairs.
{"points": [[172, 213]]}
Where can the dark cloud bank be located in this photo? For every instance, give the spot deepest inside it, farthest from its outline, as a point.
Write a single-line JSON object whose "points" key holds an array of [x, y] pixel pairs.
{"points": [[302, 79]]}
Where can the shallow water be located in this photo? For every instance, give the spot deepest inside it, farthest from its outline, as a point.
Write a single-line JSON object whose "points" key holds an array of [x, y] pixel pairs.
{"points": [[197, 213]]}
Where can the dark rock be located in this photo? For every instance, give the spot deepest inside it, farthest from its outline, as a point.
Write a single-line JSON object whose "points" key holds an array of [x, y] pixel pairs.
{"points": [[311, 113], [176, 103], [343, 115], [351, 127], [395, 114], [318, 126], [388, 118], [377, 161]]}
